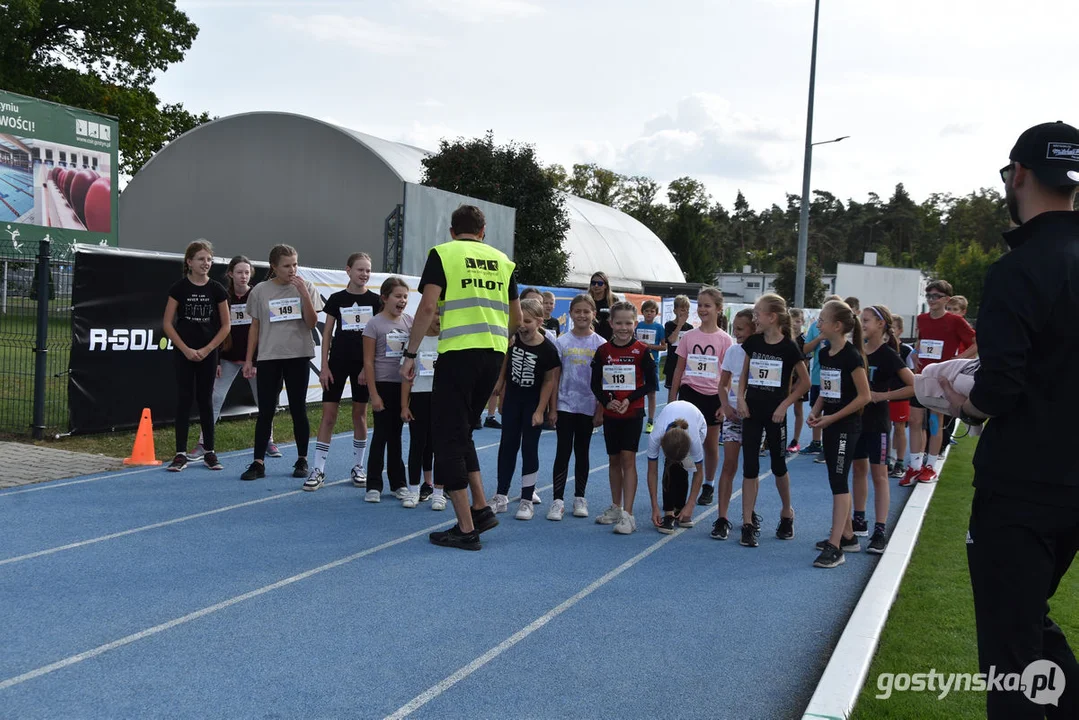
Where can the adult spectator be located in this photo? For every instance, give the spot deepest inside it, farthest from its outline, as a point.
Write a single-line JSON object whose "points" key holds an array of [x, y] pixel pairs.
{"points": [[600, 289]]}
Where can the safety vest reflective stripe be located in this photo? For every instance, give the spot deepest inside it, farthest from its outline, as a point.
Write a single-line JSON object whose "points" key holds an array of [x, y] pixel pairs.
{"points": [[474, 302], [477, 328], [474, 308]]}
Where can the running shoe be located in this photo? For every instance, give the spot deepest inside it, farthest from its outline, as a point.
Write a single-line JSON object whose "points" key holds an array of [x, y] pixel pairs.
{"points": [[372, 496], [812, 448], [666, 525], [830, 557], [196, 453], [178, 463], [211, 461], [610, 516], [793, 448], [820, 459], [484, 519], [847, 544], [300, 469], [721, 529], [254, 471], [648, 427], [556, 511], [438, 503], [492, 423], [402, 493], [684, 523], [627, 525], [898, 470], [411, 501], [757, 522], [359, 476], [314, 480], [273, 451], [426, 491], [707, 492], [524, 510], [878, 543], [861, 527], [927, 475], [500, 503], [454, 538], [785, 529], [580, 507], [909, 477], [536, 499], [749, 536]]}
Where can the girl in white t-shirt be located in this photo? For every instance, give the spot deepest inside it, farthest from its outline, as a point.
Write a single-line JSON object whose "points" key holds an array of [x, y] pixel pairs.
{"points": [[681, 431], [696, 377], [731, 436]]}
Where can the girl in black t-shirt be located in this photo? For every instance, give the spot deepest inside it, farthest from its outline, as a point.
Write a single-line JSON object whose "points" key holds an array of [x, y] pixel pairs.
{"points": [[196, 321], [599, 288], [889, 379], [672, 333], [844, 391], [765, 392]]}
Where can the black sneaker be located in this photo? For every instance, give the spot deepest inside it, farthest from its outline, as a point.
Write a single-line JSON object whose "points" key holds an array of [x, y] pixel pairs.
{"points": [[314, 480], [847, 544], [484, 519], [785, 529], [721, 529], [820, 459], [757, 520], [706, 495], [749, 536], [878, 543], [254, 471], [210, 458], [454, 538], [425, 492], [478, 426], [666, 526], [178, 463], [300, 470], [861, 527], [491, 422], [812, 448], [829, 557]]}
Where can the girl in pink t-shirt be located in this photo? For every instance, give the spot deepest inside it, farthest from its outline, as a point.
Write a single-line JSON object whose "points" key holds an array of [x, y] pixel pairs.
{"points": [[696, 378]]}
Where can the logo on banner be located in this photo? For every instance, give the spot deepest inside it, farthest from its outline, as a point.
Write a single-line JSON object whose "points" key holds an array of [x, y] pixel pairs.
{"points": [[122, 339]]}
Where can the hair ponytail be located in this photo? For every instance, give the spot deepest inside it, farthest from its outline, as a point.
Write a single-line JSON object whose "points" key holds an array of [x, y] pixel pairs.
{"points": [[675, 441], [775, 304]]}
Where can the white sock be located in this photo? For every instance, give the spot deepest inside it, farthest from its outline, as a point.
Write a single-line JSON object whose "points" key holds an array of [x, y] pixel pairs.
{"points": [[322, 449], [414, 489], [359, 451], [932, 462], [916, 462], [710, 482], [437, 492], [528, 484]]}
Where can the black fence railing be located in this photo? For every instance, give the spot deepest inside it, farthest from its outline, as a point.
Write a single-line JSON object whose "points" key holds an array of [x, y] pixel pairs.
{"points": [[35, 338]]}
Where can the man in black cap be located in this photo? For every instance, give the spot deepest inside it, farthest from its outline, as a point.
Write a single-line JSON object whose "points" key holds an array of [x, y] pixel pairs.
{"points": [[1024, 520]]}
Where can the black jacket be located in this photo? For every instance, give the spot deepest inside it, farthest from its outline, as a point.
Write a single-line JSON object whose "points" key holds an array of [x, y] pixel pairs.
{"points": [[1028, 343]]}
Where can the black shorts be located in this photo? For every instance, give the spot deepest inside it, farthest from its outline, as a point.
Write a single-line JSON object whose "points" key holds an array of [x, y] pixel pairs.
{"points": [[343, 370], [707, 404], [872, 446], [814, 393], [622, 435], [915, 404]]}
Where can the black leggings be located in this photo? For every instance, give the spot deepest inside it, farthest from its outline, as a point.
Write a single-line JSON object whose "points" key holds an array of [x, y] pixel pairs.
{"points": [[271, 373], [421, 451], [675, 487], [195, 382], [518, 433], [839, 443], [753, 429], [386, 441], [574, 432]]}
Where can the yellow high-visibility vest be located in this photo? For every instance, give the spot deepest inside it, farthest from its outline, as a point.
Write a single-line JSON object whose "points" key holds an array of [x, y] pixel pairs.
{"points": [[475, 311]]}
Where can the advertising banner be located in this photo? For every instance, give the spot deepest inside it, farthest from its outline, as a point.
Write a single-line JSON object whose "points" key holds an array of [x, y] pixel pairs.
{"points": [[121, 360], [58, 176]]}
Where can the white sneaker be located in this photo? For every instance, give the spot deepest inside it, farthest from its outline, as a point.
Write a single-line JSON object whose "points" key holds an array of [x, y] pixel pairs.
{"points": [[610, 516], [524, 510], [685, 523], [438, 502], [558, 508], [359, 476], [373, 496], [500, 503], [401, 493], [411, 501], [626, 525], [580, 507], [536, 498]]}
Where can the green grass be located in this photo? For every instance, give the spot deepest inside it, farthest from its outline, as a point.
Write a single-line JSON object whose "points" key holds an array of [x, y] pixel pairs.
{"points": [[18, 336], [931, 624]]}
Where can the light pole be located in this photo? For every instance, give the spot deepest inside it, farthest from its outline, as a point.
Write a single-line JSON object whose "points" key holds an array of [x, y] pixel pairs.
{"points": [[803, 223]]}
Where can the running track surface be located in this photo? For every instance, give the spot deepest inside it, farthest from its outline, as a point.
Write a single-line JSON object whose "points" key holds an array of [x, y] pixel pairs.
{"points": [[146, 594]]}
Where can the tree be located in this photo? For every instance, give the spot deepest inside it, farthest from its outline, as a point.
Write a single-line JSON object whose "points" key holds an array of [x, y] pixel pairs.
{"points": [[965, 265], [638, 200], [689, 232], [597, 184], [509, 175], [784, 282], [101, 55]]}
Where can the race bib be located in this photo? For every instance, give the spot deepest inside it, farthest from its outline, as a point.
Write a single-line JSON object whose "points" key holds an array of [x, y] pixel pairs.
{"points": [[647, 336], [284, 309], [765, 373], [238, 314], [355, 318], [425, 363], [619, 377], [931, 349], [395, 343], [831, 383], [702, 366]]}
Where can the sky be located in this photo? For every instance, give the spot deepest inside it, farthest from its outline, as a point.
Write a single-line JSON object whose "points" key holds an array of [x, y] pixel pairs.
{"points": [[932, 93]]}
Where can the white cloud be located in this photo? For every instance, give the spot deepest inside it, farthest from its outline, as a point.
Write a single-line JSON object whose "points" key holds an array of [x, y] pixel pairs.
{"points": [[358, 32], [431, 103], [483, 10]]}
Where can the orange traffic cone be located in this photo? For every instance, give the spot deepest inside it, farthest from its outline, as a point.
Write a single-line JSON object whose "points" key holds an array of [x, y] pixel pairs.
{"points": [[143, 452]]}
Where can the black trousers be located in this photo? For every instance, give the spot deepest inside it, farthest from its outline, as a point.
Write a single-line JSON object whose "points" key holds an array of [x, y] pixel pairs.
{"points": [[464, 380], [675, 487], [839, 441], [421, 450], [753, 429], [386, 440], [271, 373], [574, 435], [1017, 552], [518, 434], [195, 382]]}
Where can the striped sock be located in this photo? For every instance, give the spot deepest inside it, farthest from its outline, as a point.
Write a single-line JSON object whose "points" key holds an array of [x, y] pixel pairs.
{"points": [[322, 449], [359, 451]]}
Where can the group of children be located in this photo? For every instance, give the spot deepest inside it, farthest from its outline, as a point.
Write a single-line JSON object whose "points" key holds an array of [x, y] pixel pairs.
{"points": [[731, 389]]}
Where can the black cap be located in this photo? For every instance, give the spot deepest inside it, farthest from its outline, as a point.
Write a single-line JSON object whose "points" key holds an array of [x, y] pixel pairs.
{"points": [[1051, 150]]}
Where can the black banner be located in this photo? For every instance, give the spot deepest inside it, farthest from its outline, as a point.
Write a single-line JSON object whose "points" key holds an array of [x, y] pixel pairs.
{"points": [[121, 361]]}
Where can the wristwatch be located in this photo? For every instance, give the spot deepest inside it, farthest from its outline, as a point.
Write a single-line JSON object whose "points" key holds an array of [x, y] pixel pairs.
{"points": [[409, 355]]}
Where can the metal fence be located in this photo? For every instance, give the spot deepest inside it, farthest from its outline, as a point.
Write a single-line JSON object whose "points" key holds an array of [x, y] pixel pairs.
{"points": [[35, 338]]}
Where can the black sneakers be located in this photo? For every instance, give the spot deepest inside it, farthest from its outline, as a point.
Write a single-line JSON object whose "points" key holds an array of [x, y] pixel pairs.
{"points": [[757, 520], [707, 492], [493, 423], [878, 543], [300, 469], [484, 519], [210, 458], [425, 492], [254, 471], [847, 544], [721, 529], [454, 538], [861, 527], [178, 463], [785, 529], [749, 536], [830, 557], [666, 526]]}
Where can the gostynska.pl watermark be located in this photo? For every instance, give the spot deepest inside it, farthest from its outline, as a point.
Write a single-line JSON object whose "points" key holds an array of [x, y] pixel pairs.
{"points": [[1041, 682]]}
